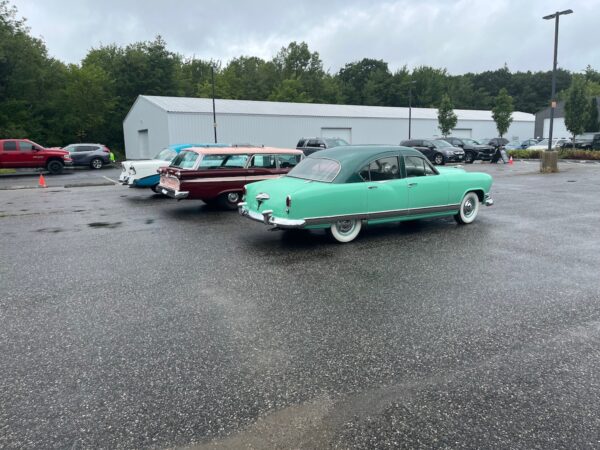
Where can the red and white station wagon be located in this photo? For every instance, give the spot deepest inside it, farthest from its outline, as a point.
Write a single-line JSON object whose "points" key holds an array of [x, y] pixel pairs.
{"points": [[218, 175]]}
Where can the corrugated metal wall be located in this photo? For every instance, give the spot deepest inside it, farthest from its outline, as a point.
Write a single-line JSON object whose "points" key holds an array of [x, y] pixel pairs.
{"points": [[284, 131], [145, 116]]}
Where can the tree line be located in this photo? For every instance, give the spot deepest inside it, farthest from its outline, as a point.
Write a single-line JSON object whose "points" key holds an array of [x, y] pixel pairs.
{"points": [[55, 103]]}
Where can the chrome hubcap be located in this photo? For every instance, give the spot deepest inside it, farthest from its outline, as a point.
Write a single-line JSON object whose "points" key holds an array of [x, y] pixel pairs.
{"points": [[345, 226], [233, 197], [97, 164], [438, 159], [468, 208]]}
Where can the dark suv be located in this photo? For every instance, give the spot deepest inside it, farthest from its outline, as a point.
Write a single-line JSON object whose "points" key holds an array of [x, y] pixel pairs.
{"points": [[473, 150], [437, 151], [93, 155], [311, 145]]}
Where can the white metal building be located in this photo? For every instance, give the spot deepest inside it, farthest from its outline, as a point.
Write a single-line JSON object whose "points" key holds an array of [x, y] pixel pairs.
{"points": [[155, 122]]}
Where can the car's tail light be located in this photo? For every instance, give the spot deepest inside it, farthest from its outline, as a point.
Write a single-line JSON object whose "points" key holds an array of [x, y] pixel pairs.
{"points": [[288, 201], [106, 150]]}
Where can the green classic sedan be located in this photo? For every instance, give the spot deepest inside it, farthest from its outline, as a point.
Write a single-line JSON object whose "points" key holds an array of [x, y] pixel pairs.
{"points": [[343, 188]]}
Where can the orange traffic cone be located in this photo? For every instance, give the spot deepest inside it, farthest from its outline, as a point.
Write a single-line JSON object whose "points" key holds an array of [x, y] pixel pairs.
{"points": [[42, 181], [510, 161]]}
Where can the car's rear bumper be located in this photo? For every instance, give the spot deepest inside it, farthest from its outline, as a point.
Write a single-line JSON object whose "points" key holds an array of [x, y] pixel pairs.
{"points": [[267, 218], [178, 195], [455, 158]]}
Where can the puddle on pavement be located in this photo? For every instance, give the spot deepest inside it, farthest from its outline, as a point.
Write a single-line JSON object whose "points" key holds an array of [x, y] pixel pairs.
{"points": [[105, 224], [149, 221], [50, 230]]}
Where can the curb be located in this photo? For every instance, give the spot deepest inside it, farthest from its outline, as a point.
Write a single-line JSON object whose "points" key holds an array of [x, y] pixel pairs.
{"points": [[66, 186]]}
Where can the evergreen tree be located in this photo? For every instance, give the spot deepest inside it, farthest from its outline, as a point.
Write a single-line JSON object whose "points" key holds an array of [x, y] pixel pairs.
{"points": [[446, 117], [502, 111], [576, 107]]}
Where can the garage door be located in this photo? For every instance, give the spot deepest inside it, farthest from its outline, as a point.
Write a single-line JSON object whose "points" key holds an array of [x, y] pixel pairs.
{"points": [[462, 132], [343, 133]]}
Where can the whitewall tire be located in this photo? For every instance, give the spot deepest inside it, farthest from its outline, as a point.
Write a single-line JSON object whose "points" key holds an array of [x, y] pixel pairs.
{"points": [[469, 207], [345, 230]]}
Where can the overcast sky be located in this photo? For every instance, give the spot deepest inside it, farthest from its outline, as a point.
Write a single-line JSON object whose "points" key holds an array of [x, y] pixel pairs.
{"points": [[461, 36]]}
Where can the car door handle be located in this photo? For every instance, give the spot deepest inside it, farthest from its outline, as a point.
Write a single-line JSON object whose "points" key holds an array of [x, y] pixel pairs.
{"points": [[372, 187], [412, 184]]}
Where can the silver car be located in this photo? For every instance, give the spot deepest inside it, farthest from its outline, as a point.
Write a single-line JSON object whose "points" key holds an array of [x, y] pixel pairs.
{"points": [[92, 155]]}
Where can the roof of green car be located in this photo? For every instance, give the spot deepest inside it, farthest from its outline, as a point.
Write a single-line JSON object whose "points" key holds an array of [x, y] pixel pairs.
{"points": [[354, 157]]}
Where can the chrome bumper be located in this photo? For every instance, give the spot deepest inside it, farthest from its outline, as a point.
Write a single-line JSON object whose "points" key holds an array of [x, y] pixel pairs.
{"points": [[178, 195], [487, 200], [267, 218]]}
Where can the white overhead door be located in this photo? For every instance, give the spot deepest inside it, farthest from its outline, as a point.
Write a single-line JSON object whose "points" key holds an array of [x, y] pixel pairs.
{"points": [[559, 129], [342, 133], [461, 132]]}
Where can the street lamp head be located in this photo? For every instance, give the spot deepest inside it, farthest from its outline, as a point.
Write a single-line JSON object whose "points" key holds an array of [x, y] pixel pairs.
{"points": [[558, 13]]}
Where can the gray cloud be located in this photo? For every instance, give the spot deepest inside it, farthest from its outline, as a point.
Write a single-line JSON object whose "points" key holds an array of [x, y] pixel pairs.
{"points": [[462, 35]]}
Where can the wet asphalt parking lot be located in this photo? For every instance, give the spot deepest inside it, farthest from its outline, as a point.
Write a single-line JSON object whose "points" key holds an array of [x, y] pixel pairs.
{"points": [[128, 320]]}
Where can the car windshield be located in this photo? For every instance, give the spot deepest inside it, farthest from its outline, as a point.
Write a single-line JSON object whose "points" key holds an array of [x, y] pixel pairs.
{"points": [[185, 160], [470, 141], [335, 142], [316, 169], [439, 143], [166, 154]]}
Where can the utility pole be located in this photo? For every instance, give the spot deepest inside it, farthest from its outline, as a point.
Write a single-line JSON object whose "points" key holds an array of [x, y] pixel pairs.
{"points": [[212, 76], [549, 161], [410, 85]]}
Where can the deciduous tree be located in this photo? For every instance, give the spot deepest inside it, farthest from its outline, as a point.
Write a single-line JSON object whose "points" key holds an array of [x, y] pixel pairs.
{"points": [[446, 117], [577, 107], [502, 111]]}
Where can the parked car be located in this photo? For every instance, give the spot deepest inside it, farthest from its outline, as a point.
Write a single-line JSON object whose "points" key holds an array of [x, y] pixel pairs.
{"points": [[582, 143], [95, 156], [143, 173], [341, 189], [436, 150], [23, 153], [218, 175], [473, 149], [513, 145], [311, 145], [543, 144], [494, 142], [596, 142]]}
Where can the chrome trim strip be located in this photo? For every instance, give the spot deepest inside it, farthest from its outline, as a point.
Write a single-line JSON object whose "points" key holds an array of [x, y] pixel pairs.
{"points": [[383, 214], [242, 178], [267, 216]]}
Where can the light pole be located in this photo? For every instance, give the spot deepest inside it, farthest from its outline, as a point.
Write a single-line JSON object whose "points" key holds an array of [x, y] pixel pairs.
{"points": [[410, 85], [555, 16], [212, 76]]}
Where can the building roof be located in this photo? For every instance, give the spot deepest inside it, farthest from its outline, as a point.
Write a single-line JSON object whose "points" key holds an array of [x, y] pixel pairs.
{"points": [[251, 107]]}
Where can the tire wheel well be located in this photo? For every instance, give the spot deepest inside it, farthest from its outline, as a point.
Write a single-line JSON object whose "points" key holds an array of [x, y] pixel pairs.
{"points": [[479, 193]]}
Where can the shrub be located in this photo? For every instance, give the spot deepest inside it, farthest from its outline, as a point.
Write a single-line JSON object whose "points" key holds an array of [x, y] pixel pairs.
{"points": [[525, 154], [579, 154], [563, 154]]}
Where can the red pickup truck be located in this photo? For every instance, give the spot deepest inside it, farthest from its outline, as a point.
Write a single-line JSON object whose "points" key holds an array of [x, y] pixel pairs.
{"points": [[23, 153]]}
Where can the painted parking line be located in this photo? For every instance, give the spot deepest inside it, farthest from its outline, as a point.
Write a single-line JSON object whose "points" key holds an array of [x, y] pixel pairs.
{"points": [[110, 179]]}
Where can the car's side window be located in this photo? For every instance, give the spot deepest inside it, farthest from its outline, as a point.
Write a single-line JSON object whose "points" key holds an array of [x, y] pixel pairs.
{"points": [[263, 161], [364, 173], [287, 161], [415, 166], [429, 170], [384, 169], [10, 146], [312, 143], [25, 146]]}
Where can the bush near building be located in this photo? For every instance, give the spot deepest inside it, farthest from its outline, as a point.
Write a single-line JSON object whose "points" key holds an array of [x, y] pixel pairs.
{"points": [[562, 154]]}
